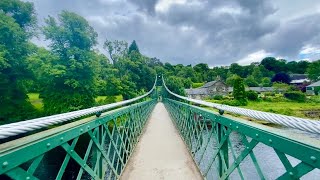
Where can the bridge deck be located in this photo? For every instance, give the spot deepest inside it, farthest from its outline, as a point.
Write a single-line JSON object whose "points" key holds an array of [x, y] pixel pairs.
{"points": [[161, 153]]}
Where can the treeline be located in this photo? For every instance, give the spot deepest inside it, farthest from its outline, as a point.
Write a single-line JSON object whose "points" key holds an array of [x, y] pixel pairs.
{"points": [[71, 72], [256, 74]]}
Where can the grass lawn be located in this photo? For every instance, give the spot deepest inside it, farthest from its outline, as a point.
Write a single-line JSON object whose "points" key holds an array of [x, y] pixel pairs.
{"points": [[100, 98], [304, 110], [37, 102], [310, 110]]}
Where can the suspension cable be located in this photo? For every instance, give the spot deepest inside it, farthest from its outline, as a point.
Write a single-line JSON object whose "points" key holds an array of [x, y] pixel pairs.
{"points": [[21, 127], [288, 121]]}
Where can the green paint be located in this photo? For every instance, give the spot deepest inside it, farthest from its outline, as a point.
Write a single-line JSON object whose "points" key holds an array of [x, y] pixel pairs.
{"points": [[199, 126], [109, 147]]}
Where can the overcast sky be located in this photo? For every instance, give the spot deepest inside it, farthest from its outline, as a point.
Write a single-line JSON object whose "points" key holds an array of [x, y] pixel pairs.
{"points": [[216, 32]]}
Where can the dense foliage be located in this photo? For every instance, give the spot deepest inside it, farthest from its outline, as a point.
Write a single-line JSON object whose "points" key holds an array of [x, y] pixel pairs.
{"points": [[281, 77], [15, 18], [295, 96], [252, 95], [70, 73], [239, 92]]}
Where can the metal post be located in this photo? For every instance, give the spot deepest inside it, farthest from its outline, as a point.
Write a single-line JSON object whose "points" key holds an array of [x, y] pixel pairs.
{"points": [[223, 154]]}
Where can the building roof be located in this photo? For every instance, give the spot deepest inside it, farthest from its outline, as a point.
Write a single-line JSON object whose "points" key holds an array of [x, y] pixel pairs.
{"points": [[261, 89], [314, 84], [298, 76], [197, 91], [257, 89], [208, 84], [298, 81]]}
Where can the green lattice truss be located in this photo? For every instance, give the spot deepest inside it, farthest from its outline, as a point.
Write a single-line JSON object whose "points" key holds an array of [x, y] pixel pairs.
{"points": [[226, 148], [93, 149]]}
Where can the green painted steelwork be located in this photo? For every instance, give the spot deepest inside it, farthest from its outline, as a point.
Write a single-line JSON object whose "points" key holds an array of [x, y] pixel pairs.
{"points": [[208, 136], [96, 149]]}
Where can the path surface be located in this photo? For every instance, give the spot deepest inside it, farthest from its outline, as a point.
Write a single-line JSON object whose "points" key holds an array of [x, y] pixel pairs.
{"points": [[161, 153]]}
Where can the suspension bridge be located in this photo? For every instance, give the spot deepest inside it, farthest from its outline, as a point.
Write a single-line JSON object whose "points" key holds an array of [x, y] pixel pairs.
{"points": [[161, 135]]}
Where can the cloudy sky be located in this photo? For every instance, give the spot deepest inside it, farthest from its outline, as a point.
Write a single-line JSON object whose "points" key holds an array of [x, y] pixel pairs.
{"points": [[216, 32]]}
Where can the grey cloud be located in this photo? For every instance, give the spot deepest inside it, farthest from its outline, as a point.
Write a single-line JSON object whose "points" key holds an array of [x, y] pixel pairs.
{"points": [[148, 6], [230, 36], [291, 36], [214, 32]]}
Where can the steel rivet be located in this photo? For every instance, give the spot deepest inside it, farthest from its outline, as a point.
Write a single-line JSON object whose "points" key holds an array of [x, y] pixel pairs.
{"points": [[88, 127], [84, 165], [5, 164], [94, 136], [313, 158], [257, 135], [61, 139], [230, 124], [248, 147], [291, 173], [71, 151], [270, 141], [48, 145], [81, 130], [28, 177], [237, 127]]}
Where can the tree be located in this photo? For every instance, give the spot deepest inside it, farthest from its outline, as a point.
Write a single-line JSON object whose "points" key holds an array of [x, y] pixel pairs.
{"points": [[297, 67], [257, 74], [175, 84], [202, 70], [231, 79], [272, 64], [39, 63], [237, 69], [72, 76], [281, 77], [133, 47], [239, 92], [22, 12], [314, 71], [251, 82], [266, 82], [154, 62], [14, 49], [116, 49]]}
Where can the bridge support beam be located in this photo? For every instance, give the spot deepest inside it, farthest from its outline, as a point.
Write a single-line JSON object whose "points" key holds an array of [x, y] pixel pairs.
{"points": [[223, 156]]}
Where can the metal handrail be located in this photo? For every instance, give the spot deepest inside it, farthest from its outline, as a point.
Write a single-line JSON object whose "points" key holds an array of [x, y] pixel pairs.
{"points": [[288, 121], [17, 128]]}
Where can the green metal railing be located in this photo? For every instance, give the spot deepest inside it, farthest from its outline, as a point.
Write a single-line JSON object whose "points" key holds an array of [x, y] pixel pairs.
{"points": [[229, 148], [93, 148]]}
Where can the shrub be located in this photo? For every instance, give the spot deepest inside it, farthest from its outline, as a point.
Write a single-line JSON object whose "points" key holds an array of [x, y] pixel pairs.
{"points": [[266, 82], [269, 94], [317, 90], [295, 96], [242, 102], [107, 100], [281, 77], [218, 97], [197, 85], [267, 99], [239, 92], [315, 99], [252, 95]]}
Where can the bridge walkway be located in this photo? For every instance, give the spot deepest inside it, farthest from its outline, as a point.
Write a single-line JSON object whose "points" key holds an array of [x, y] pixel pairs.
{"points": [[160, 153]]}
